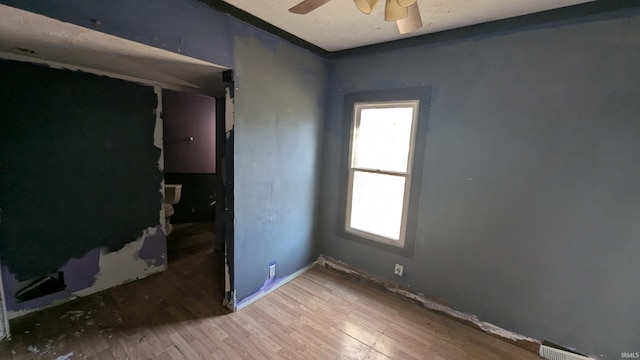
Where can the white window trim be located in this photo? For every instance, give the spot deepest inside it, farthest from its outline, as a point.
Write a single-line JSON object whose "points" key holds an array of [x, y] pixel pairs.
{"points": [[355, 122]]}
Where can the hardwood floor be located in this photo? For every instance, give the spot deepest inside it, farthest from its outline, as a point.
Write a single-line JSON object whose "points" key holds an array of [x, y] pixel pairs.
{"points": [[178, 315], [191, 239]]}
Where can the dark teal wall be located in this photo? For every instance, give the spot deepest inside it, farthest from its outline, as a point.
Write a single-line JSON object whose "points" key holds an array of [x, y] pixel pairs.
{"points": [[530, 205], [78, 172], [279, 93]]}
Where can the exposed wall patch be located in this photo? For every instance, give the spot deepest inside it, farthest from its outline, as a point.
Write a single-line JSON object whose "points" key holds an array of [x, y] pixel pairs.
{"points": [[270, 285], [522, 341], [119, 267], [154, 247], [98, 270], [79, 168], [81, 181], [229, 112]]}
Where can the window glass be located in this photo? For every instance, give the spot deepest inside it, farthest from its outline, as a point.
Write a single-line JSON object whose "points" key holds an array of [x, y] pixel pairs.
{"points": [[383, 138], [377, 204]]}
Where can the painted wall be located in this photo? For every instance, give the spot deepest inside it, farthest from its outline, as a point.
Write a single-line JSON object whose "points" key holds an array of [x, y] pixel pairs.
{"points": [[189, 133], [530, 205], [80, 187], [278, 118], [279, 111]]}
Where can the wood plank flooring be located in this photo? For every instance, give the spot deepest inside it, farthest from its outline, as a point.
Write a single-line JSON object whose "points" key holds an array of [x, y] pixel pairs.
{"points": [[178, 315]]}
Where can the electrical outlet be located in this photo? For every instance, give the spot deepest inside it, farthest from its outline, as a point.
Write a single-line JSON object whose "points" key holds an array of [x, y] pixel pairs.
{"points": [[272, 271], [398, 270]]}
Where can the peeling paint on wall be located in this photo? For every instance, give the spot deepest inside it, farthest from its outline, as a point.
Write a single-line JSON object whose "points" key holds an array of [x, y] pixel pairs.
{"points": [[229, 112], [119, 267], [426, 302], [269, 285], [158, 133], [99, 270], [102, 193]]}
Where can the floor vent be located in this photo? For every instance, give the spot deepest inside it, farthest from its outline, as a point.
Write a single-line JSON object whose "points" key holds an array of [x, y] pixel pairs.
{"points": [[551, 353]]}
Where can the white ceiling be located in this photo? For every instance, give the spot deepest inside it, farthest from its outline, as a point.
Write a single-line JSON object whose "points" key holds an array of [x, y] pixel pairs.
{"points": [[339, 25], [31, 37]]}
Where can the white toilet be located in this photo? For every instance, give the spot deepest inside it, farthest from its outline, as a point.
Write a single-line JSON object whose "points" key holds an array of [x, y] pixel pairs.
{"points": [[172, 194]]}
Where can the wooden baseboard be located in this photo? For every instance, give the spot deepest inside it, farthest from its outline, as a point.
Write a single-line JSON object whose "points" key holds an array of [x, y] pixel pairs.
{"points": [[432, 304]]}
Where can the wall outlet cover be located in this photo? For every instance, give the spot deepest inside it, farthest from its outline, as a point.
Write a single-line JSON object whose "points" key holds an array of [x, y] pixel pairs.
{"points": [[272, 271], [398, 270]]}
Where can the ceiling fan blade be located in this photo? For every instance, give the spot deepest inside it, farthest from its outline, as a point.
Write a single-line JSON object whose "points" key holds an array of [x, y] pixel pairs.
{"points": [[406, 3], [393, 11], [412, 22], [366, 6], [307, 6]]}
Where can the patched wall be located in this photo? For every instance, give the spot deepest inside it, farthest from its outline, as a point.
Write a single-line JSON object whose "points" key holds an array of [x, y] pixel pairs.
{"points": [[79, 180]]}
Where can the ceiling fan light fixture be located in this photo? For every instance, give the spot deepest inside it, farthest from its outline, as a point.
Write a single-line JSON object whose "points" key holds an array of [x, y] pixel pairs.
{"points": [[366, 6], [412, 22], [406, 3], [393, 11]]}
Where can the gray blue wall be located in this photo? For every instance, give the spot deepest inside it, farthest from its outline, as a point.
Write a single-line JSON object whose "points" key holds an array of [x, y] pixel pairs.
{"points": [[529, 205], [279, 97], [278, 120], [529, 213]]}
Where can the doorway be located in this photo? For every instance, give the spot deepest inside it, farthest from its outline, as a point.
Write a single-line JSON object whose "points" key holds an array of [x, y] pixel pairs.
{"points": [[193, 139]]}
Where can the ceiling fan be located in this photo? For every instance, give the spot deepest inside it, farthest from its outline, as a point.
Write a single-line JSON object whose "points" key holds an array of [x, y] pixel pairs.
{"points": [[404, 12]]}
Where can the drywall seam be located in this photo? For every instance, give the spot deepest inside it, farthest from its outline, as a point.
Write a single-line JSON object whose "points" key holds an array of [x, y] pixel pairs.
{"points": [[269, 286], [116, 268], [229, 112], [421, 299]]}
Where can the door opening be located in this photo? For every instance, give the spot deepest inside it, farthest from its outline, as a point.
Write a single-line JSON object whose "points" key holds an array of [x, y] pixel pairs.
{"points": [[193, 195]]}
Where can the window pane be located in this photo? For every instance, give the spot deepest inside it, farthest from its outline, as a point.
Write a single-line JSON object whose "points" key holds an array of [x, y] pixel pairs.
{"points": [[384, 138], [376, 204]]}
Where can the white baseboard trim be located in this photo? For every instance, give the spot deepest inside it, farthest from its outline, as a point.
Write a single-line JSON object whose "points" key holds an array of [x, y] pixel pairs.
{"points": [[257, 296]]}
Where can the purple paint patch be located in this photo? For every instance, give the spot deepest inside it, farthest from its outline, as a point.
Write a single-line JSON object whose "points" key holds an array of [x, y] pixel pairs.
{"points": [[154, 248], [266, 287], [79, 274]]}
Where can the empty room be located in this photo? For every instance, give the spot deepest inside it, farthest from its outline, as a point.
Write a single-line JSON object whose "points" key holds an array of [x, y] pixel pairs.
{"points": [[320, 179]]}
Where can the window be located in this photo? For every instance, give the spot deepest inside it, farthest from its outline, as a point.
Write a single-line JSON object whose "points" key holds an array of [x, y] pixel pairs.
{"points": [[384, 137], [380, 170]]}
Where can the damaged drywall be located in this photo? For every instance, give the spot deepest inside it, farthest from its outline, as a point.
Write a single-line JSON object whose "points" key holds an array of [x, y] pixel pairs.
{"points": [[521, 340], [96, 271], [77, 173], [130, 263], [228, 115]]}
